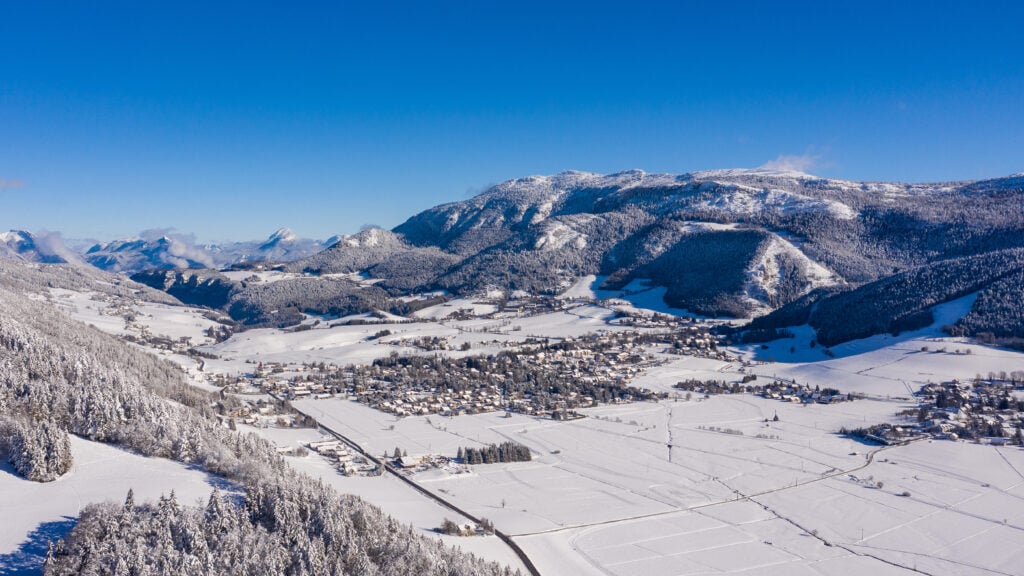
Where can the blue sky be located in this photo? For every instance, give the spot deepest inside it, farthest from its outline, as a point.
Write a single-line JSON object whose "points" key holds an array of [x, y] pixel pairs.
{"points": [[231, 121]]}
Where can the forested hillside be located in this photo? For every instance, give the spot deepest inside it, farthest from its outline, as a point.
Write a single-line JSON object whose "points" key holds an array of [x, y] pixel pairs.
{"points": [[58, 376], [901, 302]]}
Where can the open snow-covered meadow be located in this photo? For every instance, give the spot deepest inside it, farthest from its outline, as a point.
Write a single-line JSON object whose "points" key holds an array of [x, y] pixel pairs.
{"points": [[708, 486]]}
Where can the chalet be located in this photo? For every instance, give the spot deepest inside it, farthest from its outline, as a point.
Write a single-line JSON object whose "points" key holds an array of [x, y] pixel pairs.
{"points": [[409, 462]]}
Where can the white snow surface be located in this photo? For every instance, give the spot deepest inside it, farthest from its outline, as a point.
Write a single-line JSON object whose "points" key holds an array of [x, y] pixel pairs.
{"points": [[394, 497], [746, 200], [765, 274], [555, 186], [652, 488], [100, 473], [556, 235], [884, 365]]}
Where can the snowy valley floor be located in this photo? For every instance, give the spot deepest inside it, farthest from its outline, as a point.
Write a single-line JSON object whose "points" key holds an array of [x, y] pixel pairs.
{"points": [[699, 486], [607, 495]]}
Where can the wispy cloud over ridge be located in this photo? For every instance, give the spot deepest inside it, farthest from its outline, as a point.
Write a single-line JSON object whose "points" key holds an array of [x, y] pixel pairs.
{"points": [[793, 162]]}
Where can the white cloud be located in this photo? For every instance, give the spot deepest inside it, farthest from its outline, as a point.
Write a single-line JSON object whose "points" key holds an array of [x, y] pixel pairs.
{"points": [[52, 244], [792, 162], [181, 249]]}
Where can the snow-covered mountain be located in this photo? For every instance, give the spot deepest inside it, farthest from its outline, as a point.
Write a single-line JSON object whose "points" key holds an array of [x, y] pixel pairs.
{"points": [[45, 248], [169, 251], [738, 242], [741, 243]]}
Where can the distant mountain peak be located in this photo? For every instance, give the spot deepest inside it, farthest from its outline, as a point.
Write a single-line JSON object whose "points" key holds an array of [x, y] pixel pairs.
{"points": [[179, 251], [371, 237], [44, 247], [283, 235], [15, 236]]}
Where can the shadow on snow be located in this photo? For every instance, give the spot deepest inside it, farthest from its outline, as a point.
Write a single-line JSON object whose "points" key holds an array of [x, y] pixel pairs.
{"points": [[27, 560]]}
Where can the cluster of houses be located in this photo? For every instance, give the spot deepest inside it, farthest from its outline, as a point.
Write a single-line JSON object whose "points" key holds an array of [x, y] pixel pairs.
{"points": [[180, 345], [989, 411], [409, 464], [348, 461], [540, 378], [775, 390], [697, 341], [444, 402], [516, 307], [254, 411], [536, 376]]}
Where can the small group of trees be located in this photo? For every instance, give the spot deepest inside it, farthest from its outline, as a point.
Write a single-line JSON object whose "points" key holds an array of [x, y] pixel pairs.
{"points": [[39, 451], [495, 453], [452, 529]]}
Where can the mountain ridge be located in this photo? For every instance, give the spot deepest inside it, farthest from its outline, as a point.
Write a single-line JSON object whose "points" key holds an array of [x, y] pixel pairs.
{"points": [[735, 242]]}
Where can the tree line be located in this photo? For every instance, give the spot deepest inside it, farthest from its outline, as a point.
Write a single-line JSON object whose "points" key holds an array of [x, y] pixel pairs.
{"points": [[495, 453]]}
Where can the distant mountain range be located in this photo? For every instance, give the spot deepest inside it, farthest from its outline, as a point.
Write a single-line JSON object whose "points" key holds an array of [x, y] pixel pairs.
{"points": [[779, 246], [164, 251]]}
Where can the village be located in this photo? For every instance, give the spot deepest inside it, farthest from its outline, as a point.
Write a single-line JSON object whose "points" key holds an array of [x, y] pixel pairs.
{"points": [[538, 377], [985, 411], [989, 411]]}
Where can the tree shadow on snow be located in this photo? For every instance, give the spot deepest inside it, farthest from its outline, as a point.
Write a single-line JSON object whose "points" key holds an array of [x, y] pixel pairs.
{"points": [[27, 560], [7, 468], [231, 490]]}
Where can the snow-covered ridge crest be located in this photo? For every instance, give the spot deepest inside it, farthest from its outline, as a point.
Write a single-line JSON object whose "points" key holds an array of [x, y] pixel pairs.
{"points": [[47, 247], [767, 172], [747, 200], [370, 238], [741, 191], [160, 249], [555, 187]]}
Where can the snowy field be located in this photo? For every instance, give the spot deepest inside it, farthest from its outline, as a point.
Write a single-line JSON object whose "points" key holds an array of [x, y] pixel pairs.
{"points": [[174, 322], [33, 513], [884, 365], [146, 319], [708, 486], [391, 495], [348, 344], [699, 486], [638, 296]]}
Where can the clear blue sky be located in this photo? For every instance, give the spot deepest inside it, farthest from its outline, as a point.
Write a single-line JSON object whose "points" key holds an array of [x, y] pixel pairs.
{"points": [[232, 120]]}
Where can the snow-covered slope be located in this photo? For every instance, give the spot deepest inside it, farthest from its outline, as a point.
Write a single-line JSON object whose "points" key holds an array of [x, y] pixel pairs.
{"points": [[747, 240], [779, 266], [45, 248]]}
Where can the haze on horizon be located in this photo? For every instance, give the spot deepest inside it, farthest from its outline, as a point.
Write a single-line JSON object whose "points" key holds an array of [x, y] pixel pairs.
{"points": [[231, 121]]}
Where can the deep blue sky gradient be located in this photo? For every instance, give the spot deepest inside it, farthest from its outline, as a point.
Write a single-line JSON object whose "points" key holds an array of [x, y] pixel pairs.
{"points": [[232, 120]]}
